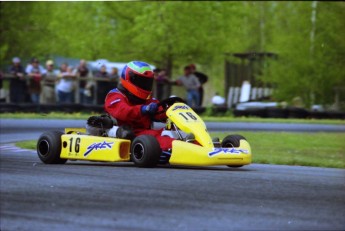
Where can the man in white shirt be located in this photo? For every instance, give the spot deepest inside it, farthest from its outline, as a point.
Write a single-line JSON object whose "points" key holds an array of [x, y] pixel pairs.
{"points": [[65, 87]]}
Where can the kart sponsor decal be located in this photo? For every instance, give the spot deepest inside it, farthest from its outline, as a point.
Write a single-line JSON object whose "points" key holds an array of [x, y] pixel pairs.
{"points": [[180, 107], [217, 151], [98, 146]]}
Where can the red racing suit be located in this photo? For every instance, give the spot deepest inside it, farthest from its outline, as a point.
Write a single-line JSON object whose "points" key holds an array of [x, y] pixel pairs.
{"points": [[119, 107]]}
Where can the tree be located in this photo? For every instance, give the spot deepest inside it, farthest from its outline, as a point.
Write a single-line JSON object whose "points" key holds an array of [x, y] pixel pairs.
{"points": [[172, 34], [298, 72]]}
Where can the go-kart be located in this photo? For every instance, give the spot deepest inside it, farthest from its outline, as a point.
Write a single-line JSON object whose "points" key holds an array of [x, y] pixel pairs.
{"points": [[193, 145]]}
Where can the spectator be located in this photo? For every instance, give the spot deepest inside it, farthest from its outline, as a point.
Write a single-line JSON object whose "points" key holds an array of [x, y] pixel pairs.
{"points": [[65, 86], [103, 84], [155, 75], [48, 84], [2, 95], [114, 78], [18, 87], [202, 79], [35, 72], [161, 80], [85, 86], [192, 84]]}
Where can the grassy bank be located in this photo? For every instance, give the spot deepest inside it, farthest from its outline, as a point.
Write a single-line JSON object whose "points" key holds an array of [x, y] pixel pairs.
{"points": [[229, 118], [305, 149]]}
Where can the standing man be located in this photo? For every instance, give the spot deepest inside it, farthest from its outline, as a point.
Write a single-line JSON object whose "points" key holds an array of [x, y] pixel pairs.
{"points": [[161, 80], [18, 87], [192, 85], [35, 72], [202, 79], [65, 86], [102, 77], [48, 84], [85, 94]]}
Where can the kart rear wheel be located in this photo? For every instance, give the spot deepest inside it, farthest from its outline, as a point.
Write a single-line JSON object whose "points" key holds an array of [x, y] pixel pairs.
{"points": [[145, 151], [49, 148], [232, 141]]}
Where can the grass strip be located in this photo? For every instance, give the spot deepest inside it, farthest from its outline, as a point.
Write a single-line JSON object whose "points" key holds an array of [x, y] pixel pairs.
{"points": [[284, 148], [206, 118], [304, 149]]}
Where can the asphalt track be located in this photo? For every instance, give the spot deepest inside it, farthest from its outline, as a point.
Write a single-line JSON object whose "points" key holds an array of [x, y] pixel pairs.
{"points": [[101, 196]]}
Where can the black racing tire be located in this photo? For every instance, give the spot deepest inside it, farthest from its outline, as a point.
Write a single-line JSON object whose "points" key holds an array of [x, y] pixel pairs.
{"points": [[49, 148], [232, 141], [145, 151]]}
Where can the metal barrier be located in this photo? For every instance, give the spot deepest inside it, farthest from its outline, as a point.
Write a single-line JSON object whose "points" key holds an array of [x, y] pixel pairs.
{"points": [[4, 95]]}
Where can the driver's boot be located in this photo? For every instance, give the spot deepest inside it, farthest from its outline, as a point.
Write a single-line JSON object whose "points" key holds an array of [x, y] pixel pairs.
{"points": [[99, 125], [125, 132], [103, 122]]}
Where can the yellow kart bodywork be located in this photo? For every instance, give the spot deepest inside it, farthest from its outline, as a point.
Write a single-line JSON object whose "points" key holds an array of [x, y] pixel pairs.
{"points": [[199, 151], [194, 155], [204, 153], [76, 146]]}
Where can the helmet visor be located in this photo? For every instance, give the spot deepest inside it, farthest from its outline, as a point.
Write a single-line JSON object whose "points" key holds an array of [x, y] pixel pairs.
{"points": [[140, 81]]}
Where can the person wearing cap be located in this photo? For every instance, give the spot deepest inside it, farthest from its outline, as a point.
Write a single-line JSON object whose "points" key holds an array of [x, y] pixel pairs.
{"points": [[18, 87], [48, 84], [35, 72]]}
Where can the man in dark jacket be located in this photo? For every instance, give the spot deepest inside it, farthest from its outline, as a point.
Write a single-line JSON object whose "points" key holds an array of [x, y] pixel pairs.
{"points": [[18, 87], [202, 79]]}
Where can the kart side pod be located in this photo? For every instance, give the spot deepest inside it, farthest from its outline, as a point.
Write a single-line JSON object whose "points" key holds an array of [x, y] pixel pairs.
{"points": [[83, 147], [194, 155]]}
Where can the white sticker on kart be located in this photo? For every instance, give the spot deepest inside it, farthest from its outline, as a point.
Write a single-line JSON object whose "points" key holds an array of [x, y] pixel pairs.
{"points": [[217, 151], [183, 107]]}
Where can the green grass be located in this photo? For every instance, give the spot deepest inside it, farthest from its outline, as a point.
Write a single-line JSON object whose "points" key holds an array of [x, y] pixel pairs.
{"points": [[29, 144], [227, 118], [305, 149], [270, 120]]}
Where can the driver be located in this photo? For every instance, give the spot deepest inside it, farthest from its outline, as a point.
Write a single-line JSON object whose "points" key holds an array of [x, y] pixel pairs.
{"points": [[132, 105]]}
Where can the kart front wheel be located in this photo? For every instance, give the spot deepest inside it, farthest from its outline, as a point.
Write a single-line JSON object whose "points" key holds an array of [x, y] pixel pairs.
{"points": [[145, 151], [232, 141], [49, 148]]}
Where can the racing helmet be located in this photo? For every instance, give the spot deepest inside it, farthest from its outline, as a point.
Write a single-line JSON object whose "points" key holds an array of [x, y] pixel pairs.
{"points": [[137, 79]]}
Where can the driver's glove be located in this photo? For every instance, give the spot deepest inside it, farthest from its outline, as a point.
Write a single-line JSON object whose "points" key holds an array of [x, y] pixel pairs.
{"points": [[150, 109]]}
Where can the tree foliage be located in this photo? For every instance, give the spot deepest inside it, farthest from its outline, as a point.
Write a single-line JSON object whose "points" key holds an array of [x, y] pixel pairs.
{"points": [[171, 34]]}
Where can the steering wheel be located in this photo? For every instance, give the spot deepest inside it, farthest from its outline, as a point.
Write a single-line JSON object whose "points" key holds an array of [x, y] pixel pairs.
{"points": [[166, 103]]}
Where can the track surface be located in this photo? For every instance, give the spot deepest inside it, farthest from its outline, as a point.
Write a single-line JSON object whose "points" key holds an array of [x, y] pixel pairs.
{"points": [[99, 196]]}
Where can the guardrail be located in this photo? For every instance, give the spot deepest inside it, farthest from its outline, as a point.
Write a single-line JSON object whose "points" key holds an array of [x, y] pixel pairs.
{"points": [[4, 95]]}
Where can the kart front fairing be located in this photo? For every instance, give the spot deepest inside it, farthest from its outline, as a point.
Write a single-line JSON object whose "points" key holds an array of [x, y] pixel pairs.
{"points": [[202, 151]]}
